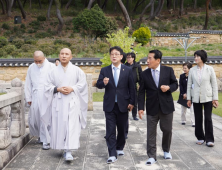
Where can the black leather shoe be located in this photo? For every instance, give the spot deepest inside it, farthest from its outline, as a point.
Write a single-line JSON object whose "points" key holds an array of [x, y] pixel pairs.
{"points": [[183, 123], [135, 118]]}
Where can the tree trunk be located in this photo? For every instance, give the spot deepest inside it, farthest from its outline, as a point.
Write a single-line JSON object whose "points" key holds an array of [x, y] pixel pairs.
{"points": [[181, 8], [169, 4], [104, 4], [138, 3], [49, 9], [68, 4], [6, 5], [3, 7], [99, 3], [174, 5], [40, 4], [125, 13], [30, 5], [152, 10], [90, 4], [207, 15], [61, 22], [24, 3], [195, 4], [22, 10], [127, 5], [9, 11], [157, 13], [142, 14], [210, 5], [86, 3]]}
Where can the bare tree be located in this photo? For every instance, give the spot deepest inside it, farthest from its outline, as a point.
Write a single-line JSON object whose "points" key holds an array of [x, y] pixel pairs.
{"points": [[159, 8], [9, 9], [169, 4], [138, 3], [68, 4], [145, 9], [40, 4], [152, 10], [3, 7], [104, 4], [195, 4], [21, 8], [49, 9], [207, 14], [90, 4], [61, 22], [181, 8], [125, 13]]}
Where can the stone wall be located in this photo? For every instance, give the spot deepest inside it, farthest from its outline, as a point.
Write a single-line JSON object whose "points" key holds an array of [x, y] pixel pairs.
{"points": [[204, 39], [9, 73]]}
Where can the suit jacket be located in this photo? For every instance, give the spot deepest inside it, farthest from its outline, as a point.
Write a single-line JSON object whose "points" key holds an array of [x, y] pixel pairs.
{"points": [[125, 89], [155, 98], [206, 90]]}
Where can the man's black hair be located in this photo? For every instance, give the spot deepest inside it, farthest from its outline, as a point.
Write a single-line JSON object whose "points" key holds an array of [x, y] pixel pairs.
{"points": [[157, 54], [116, 48]]}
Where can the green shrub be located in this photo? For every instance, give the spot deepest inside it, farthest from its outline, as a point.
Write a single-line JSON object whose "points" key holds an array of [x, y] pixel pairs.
{"points": [[93, 23], [15, 29], [28, 48], [9, 48], [41, 18], [5, 26], [30, 31], [23, 26], [34, 23], [7, 33], [3, 42], [30, 40], [47, 50], [2, 52], [42, 35], [142, 35], [18, 42], [61, 42]]}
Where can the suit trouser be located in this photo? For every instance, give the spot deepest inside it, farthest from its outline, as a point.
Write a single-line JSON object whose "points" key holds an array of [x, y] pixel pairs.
{"points": [[183, 114], [208, 124], [166, 121], [115, 119], [134, 111]]}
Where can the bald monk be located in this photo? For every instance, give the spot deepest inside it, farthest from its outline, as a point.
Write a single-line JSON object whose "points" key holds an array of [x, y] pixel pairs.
{"points": [[34, 95], [67, 93]]}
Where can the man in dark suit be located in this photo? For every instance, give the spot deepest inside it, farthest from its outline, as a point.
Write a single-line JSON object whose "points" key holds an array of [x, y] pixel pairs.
{"points": [[158, 82], [119, 97]]}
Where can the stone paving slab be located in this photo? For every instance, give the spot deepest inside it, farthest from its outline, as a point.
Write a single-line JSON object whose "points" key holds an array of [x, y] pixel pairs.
{"points": [[93, 154]]}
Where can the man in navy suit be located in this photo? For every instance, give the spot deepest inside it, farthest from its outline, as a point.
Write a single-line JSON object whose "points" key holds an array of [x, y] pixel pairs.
{"points": [[157, 82], [119, 98]]}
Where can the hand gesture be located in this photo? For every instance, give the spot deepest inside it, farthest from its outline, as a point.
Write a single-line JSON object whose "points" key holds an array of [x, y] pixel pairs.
{"points": [[130, 107], [65, 90], [189, 103], [106, 80], [185, 96], [141, 113], [165, 88], [215, 103]]}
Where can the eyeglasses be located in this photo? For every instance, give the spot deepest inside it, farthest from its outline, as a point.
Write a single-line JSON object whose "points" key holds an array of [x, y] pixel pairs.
{"points": [[114, 54], [128, 57]]}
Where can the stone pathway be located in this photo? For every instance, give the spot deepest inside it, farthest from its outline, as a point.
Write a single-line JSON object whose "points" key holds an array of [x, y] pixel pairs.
{"points": [[93, 154]]}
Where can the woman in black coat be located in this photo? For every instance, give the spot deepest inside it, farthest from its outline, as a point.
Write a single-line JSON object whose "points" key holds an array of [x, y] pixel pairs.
{"points": [[183, 95]]}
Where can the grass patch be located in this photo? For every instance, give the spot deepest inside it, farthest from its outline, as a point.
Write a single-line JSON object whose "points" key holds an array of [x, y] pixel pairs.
{"points": [[98, 97]]}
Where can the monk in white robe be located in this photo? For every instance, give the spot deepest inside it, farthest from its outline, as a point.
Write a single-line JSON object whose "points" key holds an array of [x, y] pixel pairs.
{"points": [[34, 94], [67, 93]]}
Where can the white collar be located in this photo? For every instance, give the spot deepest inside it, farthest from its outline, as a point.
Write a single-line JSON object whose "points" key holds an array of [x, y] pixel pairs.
{"points": [[119, 67], [158, 68]]}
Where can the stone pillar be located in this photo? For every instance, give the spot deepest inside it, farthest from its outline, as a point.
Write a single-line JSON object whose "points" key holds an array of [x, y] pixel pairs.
{"points": [[90, 97], [18, 112], [5, 121]]}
